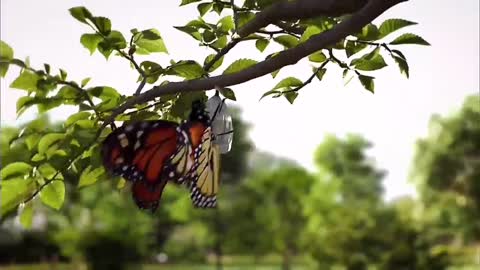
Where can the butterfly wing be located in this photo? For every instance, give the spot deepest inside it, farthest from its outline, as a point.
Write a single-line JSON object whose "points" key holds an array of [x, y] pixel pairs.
{"points": [[205, 184], [145, 196], [141, 150]]}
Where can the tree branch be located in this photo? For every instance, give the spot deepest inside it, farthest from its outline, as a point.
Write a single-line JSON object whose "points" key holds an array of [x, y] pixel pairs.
{"points": [[301, 9], [288, 57]]}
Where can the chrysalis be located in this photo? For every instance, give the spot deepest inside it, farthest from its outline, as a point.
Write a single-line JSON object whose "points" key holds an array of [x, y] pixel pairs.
{"points": [[222, 125]]}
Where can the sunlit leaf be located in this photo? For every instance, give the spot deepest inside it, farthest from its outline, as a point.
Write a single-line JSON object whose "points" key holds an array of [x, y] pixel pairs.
{"points": [[261, 44], [48, 140], [53, 194], [14, 192], [26, 81], [228, 93], [90, 41], [26, 216], [392, 25], [409, 38], [286, 41], [81, 14], [89, 176], [15, 169], [6, 53], [239, 65]]}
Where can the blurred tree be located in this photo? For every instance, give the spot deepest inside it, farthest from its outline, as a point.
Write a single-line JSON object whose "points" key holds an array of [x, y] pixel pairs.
{"points": [[348, 223], [358, 179], [234, 169], [269, 216], [446, 170]]}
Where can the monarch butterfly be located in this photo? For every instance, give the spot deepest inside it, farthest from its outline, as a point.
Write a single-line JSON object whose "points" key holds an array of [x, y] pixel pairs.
{"points": [[148, 153], [205, 182], [151, 153]]}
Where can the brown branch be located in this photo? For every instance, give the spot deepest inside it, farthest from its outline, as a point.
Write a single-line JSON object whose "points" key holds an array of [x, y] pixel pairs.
{"points": [[301, 9], [288, 57]]}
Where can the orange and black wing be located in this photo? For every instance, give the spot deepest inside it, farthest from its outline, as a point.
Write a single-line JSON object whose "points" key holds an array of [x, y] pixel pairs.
{"points": [[140, 151]]}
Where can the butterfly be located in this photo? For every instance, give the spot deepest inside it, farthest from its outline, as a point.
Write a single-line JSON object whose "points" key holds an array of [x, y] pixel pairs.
{"points": [[149, 154], [152, 153], [206, 175]]}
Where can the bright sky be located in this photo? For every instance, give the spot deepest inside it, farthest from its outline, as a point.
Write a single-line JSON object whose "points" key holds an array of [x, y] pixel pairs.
{"points": [[393, 118]]}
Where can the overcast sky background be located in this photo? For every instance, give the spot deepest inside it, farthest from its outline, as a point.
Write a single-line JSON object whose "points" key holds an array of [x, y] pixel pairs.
{"points": [[393, 118]]}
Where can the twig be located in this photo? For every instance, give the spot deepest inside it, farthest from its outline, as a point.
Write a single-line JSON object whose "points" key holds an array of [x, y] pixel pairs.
{"points": [[221, 53], [309, 80], [140, 86]]}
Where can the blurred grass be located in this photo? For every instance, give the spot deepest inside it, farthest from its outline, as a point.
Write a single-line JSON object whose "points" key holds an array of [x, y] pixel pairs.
{"points": [[147, 267]]}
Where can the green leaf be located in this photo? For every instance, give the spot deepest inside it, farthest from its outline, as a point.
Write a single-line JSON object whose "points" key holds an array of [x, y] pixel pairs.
{"points": [[319, 74], [103, 25], [216, 65], [239, 65], [187, 69], [392, 25], [226, 24], [151, 41], [367, 82], [353, 47], [243, 18], [26, 217], [208, 36], [121, 183], [26, 81], [81, 14], [53, 194], [291, 96], [228, 93], [402, 65], [289, 82], [63, 74], [67, 92], [90, 41], [186, 2], [317, 57], [271, 92], [116, 40], [204, 8], [103, 92], [190, 30], [311, 31], [370, 61], [84, 82], [47, 68], [76, 117], [6, 52], [38, 157], [15, 169], [369, 32], [32, 140], [286, 41], [48, 140], [220, 43], [261, 44], [14, 192], [23, 103], [105, 48], [409, 38], [218, 7], [89, 176]]}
